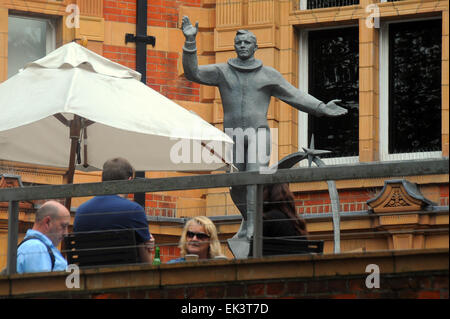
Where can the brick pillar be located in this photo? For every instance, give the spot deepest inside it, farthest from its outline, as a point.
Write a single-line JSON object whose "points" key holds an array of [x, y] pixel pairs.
{"points": [[368, 88]]}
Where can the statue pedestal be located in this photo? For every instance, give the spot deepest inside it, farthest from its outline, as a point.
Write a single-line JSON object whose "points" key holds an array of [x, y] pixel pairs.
{"points": [[240, 247]]}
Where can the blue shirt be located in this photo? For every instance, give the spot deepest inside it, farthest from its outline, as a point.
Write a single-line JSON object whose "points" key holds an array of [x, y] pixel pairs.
{"points": [[177, 260], [33, 256], [112, 212]]}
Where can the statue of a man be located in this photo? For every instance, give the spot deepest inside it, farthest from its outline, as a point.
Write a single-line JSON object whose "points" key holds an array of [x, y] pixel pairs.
{"points": [[246, 87]]}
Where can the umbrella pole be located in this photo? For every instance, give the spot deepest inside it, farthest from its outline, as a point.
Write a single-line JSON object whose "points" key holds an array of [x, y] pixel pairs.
{"points": [[75, 128]]}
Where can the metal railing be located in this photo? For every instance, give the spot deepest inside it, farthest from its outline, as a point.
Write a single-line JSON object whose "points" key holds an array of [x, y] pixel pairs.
{"points": [[251, 179]]}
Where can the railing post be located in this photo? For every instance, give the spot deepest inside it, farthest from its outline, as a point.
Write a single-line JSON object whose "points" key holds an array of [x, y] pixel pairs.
{"points": [[335, 208], [256, 205], [13, 230]]}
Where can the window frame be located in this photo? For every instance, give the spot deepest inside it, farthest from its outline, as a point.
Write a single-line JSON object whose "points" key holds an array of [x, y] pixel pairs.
{"points": [[51, 34], [303, 5], [384, 97], [303, 76]]}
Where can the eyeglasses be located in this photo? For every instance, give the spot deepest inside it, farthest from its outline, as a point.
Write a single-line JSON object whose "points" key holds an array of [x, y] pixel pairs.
{"points": [[201, 236]]}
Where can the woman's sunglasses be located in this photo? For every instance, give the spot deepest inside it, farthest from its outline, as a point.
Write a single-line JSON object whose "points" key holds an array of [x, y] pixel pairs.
{"points": [[201, 236]]}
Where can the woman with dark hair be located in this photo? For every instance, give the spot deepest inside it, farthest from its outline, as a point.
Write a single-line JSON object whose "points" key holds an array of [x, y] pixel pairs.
{"points": [[279, 216]]}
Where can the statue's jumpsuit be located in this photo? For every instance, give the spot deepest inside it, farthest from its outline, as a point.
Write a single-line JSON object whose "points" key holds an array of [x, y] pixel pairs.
{"points": [[245, 91]]}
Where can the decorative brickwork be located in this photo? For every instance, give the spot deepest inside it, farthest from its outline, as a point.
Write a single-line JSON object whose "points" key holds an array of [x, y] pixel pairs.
{"points": [[398, 195]]}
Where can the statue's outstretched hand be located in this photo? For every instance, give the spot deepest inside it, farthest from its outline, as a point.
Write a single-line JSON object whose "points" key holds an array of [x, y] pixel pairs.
{"points": [[189, 31], [332, 109]]}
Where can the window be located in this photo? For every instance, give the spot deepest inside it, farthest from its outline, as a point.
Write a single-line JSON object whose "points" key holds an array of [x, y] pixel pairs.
{"points": [[316, 4], [29, 39], [410, 89], [329, 70]]}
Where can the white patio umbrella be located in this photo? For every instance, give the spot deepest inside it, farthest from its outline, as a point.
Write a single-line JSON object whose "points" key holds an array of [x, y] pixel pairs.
{"points": [[76, 94]]}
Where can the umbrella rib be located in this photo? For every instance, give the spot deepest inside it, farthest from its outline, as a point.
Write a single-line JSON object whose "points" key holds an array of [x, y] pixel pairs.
{"points": [[62, 119], [211, 150], [88, 122]]}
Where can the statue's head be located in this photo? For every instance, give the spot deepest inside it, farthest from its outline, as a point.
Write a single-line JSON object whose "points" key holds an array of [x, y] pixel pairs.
{"points": [[245, 44]]}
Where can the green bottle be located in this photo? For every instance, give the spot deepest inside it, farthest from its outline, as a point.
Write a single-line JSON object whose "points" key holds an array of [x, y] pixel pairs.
{"points": [[156, 260]]}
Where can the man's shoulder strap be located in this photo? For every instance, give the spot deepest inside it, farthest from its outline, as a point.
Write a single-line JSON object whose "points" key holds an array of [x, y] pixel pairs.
{"points": [[49, 249]]}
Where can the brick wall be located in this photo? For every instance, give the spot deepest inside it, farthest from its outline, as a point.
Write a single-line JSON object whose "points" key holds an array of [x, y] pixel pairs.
{"points": [[162, 72], [319, 202], [123, 55], [443, 196], [306, 203], [169, 253], [350, 200], [405, 274], [162, 76], [160, 13], [428, 285], [120, 10], [160, 205]]}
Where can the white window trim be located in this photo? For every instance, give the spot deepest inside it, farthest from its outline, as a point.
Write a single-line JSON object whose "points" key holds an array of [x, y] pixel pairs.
{"points": [[303, 86], [51, 32], [50, 39], [384, 100], [303, 4], [51, 36]]}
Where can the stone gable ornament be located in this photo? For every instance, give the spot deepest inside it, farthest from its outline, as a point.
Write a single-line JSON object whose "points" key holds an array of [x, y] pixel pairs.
{"points": [[246, 87], [399, 195]]}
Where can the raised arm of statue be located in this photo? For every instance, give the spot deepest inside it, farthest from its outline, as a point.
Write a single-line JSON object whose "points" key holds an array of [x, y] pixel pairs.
{"points": [[205, 74], [190, 32]]}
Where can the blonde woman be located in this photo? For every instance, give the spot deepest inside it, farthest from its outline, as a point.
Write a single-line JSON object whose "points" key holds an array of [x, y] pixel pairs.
{"points": [[199, 237]]}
